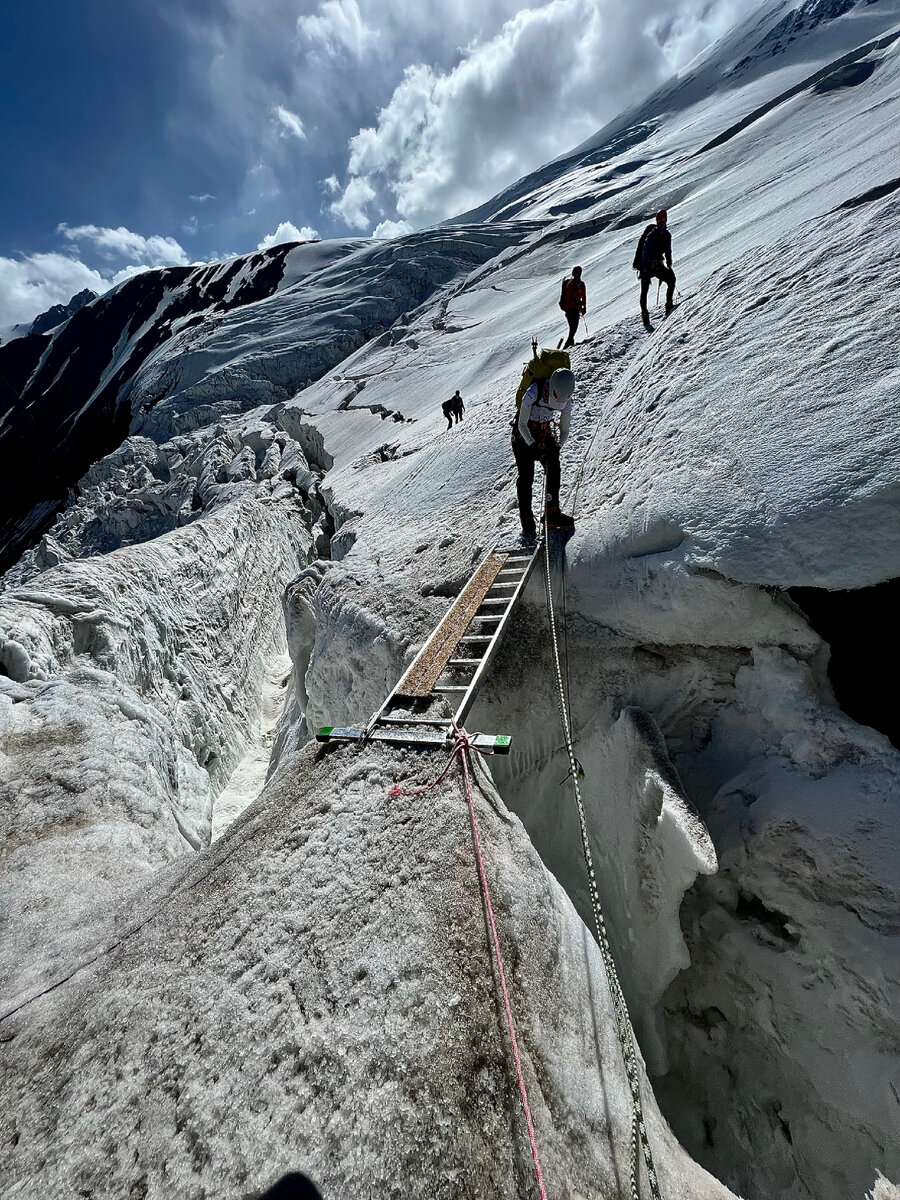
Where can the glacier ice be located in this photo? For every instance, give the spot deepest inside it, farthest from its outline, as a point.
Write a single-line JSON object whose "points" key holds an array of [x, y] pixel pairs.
{"points": [[278, 511]]}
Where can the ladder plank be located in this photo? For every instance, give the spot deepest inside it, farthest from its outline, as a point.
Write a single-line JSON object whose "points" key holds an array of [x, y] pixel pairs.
{"points": [[419, 680], [437, 722]]}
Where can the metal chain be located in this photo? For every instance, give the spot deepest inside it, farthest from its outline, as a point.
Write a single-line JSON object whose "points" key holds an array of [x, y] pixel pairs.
{"points": [[620, 1009]]}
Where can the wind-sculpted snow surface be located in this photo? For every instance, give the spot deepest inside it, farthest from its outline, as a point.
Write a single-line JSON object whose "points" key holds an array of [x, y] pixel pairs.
{"points": [[265, 353], [313, 990], [339, 1015], [777, 485]]}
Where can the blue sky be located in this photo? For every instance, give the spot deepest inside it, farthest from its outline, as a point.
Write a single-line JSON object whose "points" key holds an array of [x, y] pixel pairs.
{"points": [[142, 133]]}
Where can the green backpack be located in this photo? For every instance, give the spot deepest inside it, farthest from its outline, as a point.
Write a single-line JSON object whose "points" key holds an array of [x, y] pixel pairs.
{"points": [[539, 370]]}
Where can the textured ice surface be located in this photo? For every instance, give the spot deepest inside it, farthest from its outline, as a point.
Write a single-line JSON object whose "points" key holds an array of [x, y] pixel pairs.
{"points": [[316, 991], [313, 989]]}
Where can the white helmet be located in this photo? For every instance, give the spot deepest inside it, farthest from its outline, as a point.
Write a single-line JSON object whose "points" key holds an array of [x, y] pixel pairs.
{"points": [[562, 387]]}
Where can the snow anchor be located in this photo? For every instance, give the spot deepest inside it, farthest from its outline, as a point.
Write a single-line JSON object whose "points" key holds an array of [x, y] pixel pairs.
{"points": [[452, 664]]}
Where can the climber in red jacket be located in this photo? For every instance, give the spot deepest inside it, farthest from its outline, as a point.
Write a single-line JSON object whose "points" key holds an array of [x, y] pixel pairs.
{"points": [[573, 302]]}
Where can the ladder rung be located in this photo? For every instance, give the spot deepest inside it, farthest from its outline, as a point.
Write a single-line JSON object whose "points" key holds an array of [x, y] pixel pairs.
{"points": [[450, 687], [464, 662], [497, 600], [487, 617], [476, 637], [512, 583]]}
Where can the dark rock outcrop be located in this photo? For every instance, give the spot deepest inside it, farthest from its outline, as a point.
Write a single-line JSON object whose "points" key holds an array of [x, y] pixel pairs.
{"points": [[55, 316]]}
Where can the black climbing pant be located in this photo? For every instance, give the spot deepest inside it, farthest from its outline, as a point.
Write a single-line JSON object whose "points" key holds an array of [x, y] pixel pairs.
{"points": [[573, 316], [667, 276], [545, 451]]}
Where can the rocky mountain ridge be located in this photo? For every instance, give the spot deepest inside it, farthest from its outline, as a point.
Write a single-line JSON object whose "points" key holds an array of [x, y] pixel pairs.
{"points": [[58, 313]]}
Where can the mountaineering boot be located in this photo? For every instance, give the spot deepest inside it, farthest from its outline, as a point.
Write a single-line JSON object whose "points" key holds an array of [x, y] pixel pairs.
{"points": [[556, 519], [529, 529], [645, 317], [670, 308]]}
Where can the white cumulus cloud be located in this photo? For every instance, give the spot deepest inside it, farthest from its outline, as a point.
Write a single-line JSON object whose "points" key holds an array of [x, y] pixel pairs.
{"points": [[291, 125], [420, 111], [338, 25], [391, 229], [548, 79], [31, 283], [351, 207], [287, 232], [154, 251]]}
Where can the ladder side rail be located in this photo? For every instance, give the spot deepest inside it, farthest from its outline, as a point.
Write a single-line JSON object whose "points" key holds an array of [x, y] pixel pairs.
{"points": [[471, 692], [376, 716]]}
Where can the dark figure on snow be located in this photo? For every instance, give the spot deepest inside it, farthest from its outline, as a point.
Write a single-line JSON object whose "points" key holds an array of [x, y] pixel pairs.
{"points": [[534, 441], [573, 302], [654, 261], [453, 408], [294, 1186]]}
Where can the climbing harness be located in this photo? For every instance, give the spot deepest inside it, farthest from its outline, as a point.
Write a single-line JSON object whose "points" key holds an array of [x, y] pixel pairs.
{"points": [[640, 1143], [464, 744]]}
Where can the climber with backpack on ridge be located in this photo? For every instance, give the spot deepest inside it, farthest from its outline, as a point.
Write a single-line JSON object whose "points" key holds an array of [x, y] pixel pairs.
{"points": [[544, 393], [653, 260], [573, 302]]}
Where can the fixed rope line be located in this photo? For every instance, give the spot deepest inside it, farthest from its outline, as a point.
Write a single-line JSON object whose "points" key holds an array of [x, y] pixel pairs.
{"points": [[640, 1143], [464, 743]]}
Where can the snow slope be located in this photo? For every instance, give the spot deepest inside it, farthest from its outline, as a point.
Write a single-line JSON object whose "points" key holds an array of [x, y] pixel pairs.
{"points": [[744, 449]]}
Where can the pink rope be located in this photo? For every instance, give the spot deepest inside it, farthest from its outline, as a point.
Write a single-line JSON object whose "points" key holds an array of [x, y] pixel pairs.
{"points": [[465, 743]]}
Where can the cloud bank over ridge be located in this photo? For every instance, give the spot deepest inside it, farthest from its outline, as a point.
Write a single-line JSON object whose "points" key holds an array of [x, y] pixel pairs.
{"points": [[292, 120], [550, 76]]}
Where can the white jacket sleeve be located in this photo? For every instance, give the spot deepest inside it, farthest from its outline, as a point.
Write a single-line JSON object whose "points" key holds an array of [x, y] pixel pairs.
{"points": [[524, 415], [565, 420]]}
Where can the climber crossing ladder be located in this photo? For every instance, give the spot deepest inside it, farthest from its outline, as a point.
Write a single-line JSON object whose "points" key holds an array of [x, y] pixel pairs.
{"points": [[450, 668]]}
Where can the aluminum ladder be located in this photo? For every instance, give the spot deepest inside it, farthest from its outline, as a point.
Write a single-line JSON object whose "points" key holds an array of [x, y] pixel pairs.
{"points": [[447, 672]]}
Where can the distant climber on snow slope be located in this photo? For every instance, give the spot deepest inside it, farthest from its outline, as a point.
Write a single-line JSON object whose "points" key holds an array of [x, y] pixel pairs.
{"points": [[453, 408], [653, 260], [573, 302], [545, 393]]}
